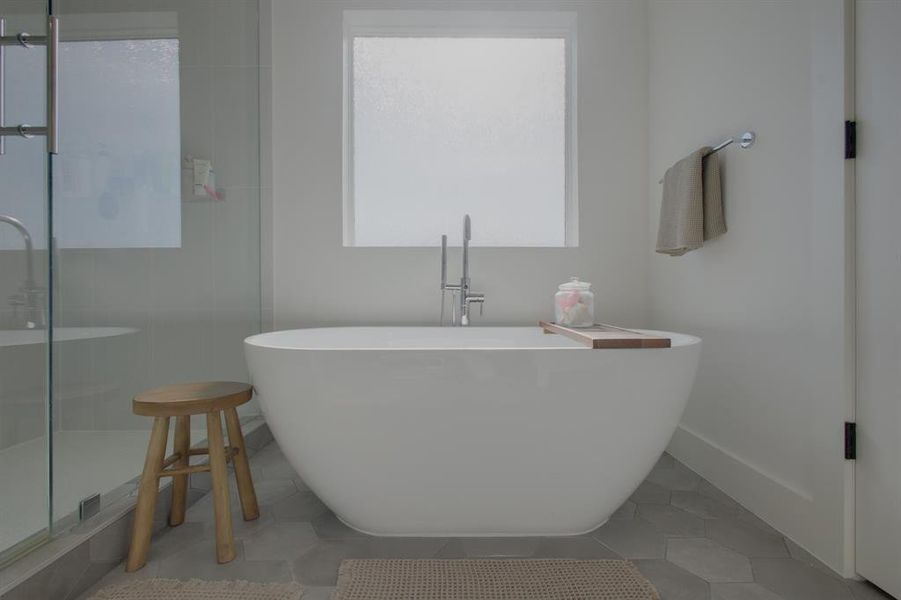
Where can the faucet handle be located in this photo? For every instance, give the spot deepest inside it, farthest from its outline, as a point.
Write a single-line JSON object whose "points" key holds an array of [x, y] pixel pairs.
{"points": [[476, 298]]}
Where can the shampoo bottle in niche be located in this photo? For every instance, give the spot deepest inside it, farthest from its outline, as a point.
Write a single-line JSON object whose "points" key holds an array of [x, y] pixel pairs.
{"points": [[574, 304]]}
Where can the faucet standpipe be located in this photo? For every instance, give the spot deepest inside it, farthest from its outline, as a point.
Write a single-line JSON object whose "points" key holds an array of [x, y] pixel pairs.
{"points": [[462, 297]]}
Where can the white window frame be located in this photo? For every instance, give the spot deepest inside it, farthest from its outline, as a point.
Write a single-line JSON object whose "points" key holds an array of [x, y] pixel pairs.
{"points": [[438, 23]]}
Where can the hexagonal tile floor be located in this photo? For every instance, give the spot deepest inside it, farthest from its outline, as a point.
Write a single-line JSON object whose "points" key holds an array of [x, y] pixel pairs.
{"points": [[690, 539]]}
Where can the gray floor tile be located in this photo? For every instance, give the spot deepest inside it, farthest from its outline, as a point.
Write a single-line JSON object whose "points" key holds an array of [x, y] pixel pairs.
{"points": [[247, 570], [242, 529], [499, 546], [677, 478], [174, 540], [672, 521], [709, 560], [800, 554], [270, 491], [452, 549], [741, 591], [319, 566], [703, 506], [750, 518], [198, 560], [328, 526], [581, 547], [303, 506], [746, 538], [193, 554], [272, 464], [280, 541], [297, 536], [673, 583], [281, 470], [269, 455], [650, 493], [626, 511], [705, 488], [633, 538], [407, 547], [202, 513], [864, 590], [794, 580], [665, 462]]}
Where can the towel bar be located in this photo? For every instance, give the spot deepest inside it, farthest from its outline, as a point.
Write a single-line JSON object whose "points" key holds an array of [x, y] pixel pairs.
{"points": [[746, 140]]}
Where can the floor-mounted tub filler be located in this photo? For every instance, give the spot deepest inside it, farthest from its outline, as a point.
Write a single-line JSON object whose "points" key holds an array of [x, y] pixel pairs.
{"points": [[487, 431]]}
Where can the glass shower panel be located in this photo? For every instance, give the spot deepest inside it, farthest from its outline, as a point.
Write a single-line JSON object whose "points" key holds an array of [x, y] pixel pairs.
{"points": [[158, 271], [24, 268]]}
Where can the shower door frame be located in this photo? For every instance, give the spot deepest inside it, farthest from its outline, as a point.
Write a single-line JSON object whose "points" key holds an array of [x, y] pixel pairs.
{"points": [[47, 134]]}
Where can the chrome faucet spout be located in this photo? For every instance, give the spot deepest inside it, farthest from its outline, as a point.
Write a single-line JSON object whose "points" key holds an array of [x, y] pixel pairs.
{"points": [[29, 246], [462, 297], [30, 295]]}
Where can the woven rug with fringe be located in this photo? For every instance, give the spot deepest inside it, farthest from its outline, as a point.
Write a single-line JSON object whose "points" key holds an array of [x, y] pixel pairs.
{"points": [[196, 589], [492, 579]]}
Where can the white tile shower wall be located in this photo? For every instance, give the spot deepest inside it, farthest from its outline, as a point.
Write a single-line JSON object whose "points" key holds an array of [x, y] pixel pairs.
{"points": [[770, 298], [191, 306], [317, 281]]}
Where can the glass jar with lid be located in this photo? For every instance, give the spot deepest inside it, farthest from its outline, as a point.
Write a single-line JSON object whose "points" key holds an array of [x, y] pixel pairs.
{"points": [[574, 304]]}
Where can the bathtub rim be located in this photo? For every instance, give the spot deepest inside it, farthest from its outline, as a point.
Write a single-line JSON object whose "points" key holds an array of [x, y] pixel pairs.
{"points": [[259, 340]]}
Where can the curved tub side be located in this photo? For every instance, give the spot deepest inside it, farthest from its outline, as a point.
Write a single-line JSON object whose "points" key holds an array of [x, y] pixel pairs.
{"points": [[487, 442]]}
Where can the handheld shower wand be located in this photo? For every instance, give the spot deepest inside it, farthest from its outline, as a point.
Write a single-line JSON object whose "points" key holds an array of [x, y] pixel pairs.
{"points": [[443, 277]]}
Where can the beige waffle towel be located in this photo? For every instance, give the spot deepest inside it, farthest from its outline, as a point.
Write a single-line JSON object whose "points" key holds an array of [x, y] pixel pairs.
{"points": [[692, 208]]}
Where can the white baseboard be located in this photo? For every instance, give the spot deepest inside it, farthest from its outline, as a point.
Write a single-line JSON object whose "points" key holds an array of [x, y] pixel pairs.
{"points": [[783, 506]]}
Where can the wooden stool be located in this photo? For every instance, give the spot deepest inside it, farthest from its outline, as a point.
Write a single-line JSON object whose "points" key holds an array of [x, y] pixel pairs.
{"points": [[181, 401]]}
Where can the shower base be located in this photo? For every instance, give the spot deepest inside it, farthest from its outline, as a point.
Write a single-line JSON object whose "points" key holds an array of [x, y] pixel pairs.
{"points": [[85, 463]]}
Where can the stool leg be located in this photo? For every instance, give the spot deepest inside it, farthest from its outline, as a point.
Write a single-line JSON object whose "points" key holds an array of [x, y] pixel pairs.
{"points": [[248, 496], [148, 490], [225, 543], [180, 482]]}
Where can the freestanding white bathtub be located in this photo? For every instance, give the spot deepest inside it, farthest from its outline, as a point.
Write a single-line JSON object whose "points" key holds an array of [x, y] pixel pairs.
{"points": [[480, 431]]}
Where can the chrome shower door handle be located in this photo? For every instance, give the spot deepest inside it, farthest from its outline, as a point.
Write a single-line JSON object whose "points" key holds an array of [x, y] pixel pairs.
{"points": [[53, 85], [26, 40]]}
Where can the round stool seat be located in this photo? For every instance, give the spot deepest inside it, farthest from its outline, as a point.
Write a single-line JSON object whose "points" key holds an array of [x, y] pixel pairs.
{"points": [[191, 398]]}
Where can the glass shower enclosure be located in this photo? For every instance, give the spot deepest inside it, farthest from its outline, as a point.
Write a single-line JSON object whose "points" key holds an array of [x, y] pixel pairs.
{"points": [[129, 235]]}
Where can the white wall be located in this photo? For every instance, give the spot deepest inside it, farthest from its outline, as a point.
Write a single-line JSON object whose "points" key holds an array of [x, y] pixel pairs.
{"points": [[317, 281], [771, 297]]}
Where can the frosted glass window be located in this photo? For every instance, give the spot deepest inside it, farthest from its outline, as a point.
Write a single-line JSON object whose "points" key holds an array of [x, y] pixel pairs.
{"points": [[117, 177], [443, 126]]}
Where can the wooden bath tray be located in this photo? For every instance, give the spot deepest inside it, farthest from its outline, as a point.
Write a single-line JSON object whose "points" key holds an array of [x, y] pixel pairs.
{"points": [[607, 336]]}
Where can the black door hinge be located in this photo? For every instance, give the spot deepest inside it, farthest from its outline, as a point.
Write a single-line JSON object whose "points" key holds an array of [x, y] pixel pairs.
{"points": [[850, 441], [850, 139]]}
